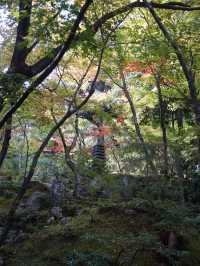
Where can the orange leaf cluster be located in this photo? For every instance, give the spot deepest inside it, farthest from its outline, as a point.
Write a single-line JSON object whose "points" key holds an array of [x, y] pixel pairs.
{"points": [[137, 66]]}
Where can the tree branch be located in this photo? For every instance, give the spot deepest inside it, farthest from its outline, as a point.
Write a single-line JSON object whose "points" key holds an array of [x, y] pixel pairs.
{"points": [[123, 9], [51, 67]]}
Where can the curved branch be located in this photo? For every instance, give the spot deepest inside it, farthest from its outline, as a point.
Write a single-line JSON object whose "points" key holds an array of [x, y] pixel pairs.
{"points": [[51, 67], [123, 9]]}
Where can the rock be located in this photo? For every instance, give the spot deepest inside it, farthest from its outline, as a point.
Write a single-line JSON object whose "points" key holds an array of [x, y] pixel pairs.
{"points": [[56, 212], [14, 236], [29, 211], [1, 261], [50, 220], [57, 192], [38, 201], [126, 192], [64, 220], [35, 202]]}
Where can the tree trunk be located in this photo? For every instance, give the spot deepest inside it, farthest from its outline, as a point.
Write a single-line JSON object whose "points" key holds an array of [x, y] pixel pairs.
{"points": [[6, 140], [137, 127], [162, 125], [179, 119], [69, 162], [185, 65]]}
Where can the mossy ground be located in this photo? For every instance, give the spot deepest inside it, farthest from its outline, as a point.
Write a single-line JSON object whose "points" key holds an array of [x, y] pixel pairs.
{"points": [[103, 232]]}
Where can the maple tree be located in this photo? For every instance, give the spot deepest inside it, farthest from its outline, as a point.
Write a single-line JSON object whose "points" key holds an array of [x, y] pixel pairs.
{"points": [[121, 73]]}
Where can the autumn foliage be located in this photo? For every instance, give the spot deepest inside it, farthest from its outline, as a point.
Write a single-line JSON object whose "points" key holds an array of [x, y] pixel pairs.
{"points": [[137, 66]]}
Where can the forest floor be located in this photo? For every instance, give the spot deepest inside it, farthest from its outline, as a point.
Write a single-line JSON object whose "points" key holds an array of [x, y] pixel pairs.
{"points": [[103, 232]]}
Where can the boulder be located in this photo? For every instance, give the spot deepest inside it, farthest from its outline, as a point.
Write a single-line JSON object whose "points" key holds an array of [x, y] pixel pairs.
{"points": [[30, 208], [35, 202], [38, 201], [56, 212]]}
